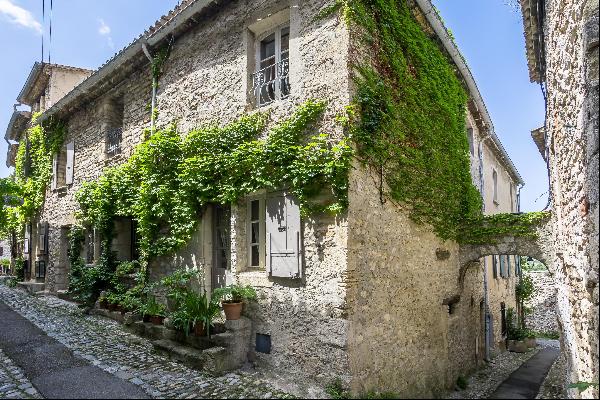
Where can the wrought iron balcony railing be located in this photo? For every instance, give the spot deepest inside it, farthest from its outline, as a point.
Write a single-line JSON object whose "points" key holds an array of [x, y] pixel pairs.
{"points": [[113, 141], [272, 83]]}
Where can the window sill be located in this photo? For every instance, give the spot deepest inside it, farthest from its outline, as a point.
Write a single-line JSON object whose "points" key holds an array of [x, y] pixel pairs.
{"points": [[116, 158], [61, 190], [254, 277]]}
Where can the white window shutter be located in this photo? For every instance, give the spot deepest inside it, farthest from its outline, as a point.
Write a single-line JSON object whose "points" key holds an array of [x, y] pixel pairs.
{"points": [[70, 163], [54, 172], [284, 236]]}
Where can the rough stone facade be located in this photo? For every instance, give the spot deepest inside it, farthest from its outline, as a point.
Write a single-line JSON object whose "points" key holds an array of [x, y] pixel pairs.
{"points": [[567, 64], [382, 302], [542, 317]]}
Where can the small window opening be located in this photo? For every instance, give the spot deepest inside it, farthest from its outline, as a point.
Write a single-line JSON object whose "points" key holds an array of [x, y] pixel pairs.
{"points": [[271, 80], [263, 343]]}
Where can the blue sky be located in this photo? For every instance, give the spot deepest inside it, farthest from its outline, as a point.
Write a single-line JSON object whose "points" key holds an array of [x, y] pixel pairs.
{"points": [[85, 33]]}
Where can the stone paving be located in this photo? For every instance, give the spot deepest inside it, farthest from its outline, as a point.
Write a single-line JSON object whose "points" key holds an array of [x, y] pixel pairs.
{"points": [[485, 381], [104, 343], [13, 383]]}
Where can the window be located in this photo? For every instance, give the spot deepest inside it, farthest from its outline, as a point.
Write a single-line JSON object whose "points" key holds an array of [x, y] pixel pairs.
{"points": [[503, 266], [508, 266], [512, 199], [503, 319], [43, 238], [271, 80], [63, 165], [256, 233], [27, 241], [470, 138], [495, 187], [114, 110], [274, 235], [90, 243]]}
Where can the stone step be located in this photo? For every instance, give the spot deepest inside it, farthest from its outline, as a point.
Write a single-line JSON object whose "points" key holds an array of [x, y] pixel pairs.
{"points": [[215, 360], [31, 287]]}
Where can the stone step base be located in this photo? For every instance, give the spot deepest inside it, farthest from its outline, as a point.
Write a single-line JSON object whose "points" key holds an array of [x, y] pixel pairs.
{"points": [[215, 360], [31, 287]]}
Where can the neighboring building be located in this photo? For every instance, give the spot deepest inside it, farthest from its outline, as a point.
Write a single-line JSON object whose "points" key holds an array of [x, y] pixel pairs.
{"points": [[541, 315], [376, 299], [561, 38], [4, 256], [45, 85]]}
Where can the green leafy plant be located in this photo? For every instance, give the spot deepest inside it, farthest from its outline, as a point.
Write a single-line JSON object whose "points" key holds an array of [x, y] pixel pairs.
{"points": [[336, 390], [462, 383], [235, 293], [193, 309], [153, 308], [582, 386]]}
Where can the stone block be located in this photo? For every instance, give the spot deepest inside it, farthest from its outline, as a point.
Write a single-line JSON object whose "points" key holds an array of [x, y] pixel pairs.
{"points": [[517, 346], [217, 361], [238, 324]]}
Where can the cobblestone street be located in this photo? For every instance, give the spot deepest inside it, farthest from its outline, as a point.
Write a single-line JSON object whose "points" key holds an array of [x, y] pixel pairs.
{"points": [[105, 344]]}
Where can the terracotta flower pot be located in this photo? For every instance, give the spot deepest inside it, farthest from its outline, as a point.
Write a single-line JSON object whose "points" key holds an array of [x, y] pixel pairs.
{"points": [[199, 329], [233, 311], [157, 319]]}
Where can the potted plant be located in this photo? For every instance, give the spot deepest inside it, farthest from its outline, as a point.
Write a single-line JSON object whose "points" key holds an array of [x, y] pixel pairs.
{"points": [[154, 310], [112, 300], [232, 299], [530, 341], [194, 313]]}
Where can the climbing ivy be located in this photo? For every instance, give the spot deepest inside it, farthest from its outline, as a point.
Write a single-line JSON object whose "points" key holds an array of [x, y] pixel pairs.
{"points": [[33, 170], [169, 180], [487, 229], [411, 110]]}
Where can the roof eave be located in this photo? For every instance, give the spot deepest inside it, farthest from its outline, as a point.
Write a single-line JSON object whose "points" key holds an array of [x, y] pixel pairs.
{"points": [[126, 55]]}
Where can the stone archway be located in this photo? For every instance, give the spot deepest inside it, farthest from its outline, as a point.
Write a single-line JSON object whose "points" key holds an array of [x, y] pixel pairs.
{"points": [[539, 246]]}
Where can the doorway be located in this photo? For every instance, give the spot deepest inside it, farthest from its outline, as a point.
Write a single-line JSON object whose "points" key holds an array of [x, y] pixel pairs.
{"points": [[221, 245]]}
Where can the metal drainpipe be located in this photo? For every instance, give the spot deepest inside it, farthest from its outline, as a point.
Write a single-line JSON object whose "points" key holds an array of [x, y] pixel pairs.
{"points": [[485, 274], [154, 84]]}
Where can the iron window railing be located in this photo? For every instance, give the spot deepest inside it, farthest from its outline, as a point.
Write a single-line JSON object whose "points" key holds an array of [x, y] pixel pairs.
{"points": [[40, 269], [272, 82], [113, 141]]}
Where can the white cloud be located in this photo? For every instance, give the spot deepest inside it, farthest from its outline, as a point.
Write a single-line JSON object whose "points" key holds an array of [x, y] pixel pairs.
{"points": [[20, 16], [104, 30]]}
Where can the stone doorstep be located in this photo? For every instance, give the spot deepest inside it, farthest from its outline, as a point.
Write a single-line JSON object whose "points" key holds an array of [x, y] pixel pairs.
{"points": [[215, 360], [31, 287], [114, 315]]}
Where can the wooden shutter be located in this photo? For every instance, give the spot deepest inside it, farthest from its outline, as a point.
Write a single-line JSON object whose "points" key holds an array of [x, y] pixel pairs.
{"points": [[54, 172], [70, 163], [284, 236], [26, 242]]}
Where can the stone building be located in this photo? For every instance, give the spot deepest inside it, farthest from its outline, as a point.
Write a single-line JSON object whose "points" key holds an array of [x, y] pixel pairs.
{"points": [[542, 305], [561, 40], [355, 296], [4, 256]]}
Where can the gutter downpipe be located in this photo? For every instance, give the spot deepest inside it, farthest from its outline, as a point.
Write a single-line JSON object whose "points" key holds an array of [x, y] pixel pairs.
{"points": [[154, 84], [486, 306]]}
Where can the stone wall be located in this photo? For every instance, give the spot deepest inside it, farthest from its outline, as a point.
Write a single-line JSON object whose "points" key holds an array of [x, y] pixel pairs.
{"points": [[571, 38], [542, 304], [410, 333]]}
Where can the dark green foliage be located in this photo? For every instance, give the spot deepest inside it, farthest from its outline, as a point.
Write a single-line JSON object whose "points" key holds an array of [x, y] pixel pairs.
{"points": [[235, 293], [462, 383], [412, 109], [87, 281], [336, 390]]}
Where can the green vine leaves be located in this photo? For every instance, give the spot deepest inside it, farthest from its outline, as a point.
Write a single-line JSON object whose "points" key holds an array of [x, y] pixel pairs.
{"points": [[169, 179]]}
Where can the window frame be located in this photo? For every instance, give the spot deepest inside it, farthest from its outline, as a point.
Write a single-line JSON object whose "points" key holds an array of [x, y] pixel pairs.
{"points": [[495, 186], [277, 32], [262, 236]]}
